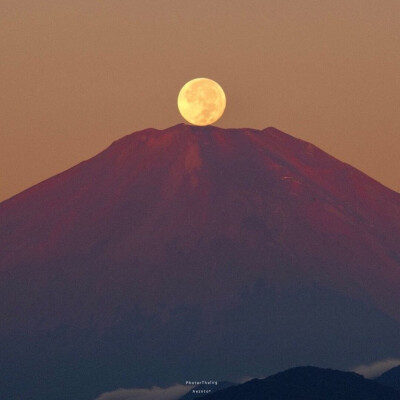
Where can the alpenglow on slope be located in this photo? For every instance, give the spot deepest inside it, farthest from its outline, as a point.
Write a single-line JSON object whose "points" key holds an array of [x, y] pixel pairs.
{"points": [[195, 252]]}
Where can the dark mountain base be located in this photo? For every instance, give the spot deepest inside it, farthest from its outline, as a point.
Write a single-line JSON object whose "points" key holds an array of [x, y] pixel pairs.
{"points": [[313, 326]]}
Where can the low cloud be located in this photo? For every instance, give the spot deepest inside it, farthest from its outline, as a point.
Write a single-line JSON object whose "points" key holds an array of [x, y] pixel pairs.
{"points": [[155, 393], [245, 379], [377, 368]]}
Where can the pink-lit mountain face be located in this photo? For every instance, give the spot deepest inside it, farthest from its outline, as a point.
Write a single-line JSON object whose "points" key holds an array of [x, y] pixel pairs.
{"points": [[198, 251]]}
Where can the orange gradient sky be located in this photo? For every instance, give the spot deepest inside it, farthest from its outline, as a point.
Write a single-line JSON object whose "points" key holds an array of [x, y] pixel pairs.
{"points": [[76, 75]]}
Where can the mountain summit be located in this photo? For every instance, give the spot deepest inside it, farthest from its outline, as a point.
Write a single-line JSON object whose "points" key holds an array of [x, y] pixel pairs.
{"points": [[192, 252]]}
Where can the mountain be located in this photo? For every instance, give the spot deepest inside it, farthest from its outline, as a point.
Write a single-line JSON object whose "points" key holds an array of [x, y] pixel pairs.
{"points": [[391, 378], [308, 383], [195, 252]]}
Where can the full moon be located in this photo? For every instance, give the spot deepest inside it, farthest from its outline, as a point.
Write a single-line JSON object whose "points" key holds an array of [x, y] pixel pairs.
{"points": [[201, 101]]}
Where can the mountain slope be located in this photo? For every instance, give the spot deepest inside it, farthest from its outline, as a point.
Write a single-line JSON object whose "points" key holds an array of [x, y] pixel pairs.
{"points": [[391, 378], [192, 252], [308, 383]]}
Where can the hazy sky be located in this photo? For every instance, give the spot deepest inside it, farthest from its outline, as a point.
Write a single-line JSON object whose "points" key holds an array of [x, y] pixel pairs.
{"points": [[76, 75]]}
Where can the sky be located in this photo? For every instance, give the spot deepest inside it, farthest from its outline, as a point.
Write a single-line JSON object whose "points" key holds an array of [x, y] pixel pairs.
{"points": [[77, 75]]}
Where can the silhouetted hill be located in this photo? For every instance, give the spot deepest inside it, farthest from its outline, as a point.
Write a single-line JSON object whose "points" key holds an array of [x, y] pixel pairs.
{"points": [[391, 378], [195, 251], [308, 383]]}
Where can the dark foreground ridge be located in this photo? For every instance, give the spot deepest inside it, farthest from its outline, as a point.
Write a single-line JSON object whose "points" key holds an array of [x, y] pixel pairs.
{"points": [[195, 251], [308, 383], [391, 378]]}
